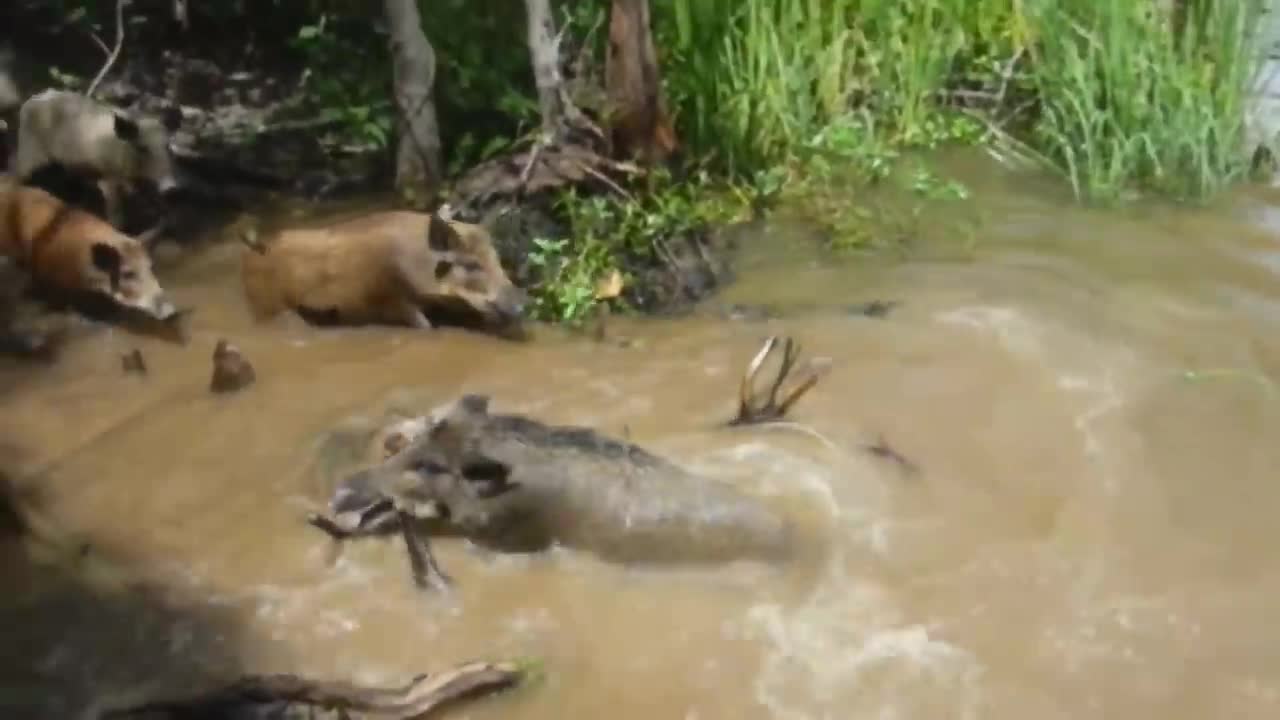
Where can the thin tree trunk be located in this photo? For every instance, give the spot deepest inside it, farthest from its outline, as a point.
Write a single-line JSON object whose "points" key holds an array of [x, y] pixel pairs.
{"points": [[639, 125], [418, 165], [545, 53]]}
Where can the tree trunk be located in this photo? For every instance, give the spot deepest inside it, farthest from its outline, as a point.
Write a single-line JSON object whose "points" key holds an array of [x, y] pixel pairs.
{"points": [[638, 121], [418, 165], [545, 53]]}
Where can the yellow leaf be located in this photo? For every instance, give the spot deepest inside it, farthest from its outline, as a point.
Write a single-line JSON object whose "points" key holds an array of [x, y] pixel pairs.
{"points": [[610, 286]]}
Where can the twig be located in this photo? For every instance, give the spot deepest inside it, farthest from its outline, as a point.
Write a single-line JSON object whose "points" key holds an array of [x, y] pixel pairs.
{"points": [[605, 179], [115, 52], [1007, 75], [427, 573], [542, 142], [881, 449], [98, 41]]}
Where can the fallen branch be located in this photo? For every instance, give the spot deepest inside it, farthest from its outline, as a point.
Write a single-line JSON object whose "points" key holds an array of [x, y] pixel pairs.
{"points": [[263, 696], [378, 520], [753, 410], [544, 167], [115, 52], [426, 571]]}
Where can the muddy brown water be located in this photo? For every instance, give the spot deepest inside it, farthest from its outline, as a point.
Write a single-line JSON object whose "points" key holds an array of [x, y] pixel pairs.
{"points": [[1089, 396]]}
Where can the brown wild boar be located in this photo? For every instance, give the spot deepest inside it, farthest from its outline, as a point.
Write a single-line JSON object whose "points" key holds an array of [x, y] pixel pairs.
{"points": [[392, 268], [517, 485], [109, 145], [76, 256]]}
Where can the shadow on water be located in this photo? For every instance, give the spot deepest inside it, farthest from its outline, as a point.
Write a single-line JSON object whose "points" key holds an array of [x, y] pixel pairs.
{"points": [[82, 629]]}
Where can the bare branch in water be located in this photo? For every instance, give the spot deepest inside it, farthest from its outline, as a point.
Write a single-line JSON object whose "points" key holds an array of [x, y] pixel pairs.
{"points": [[754, 410]]}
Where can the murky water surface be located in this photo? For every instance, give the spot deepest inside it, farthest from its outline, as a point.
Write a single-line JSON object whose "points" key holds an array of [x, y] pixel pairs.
{"points": [[1089, 398]]}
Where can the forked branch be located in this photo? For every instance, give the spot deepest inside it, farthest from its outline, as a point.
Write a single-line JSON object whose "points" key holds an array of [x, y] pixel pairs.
{"points": [[387, 515], [752, 409]]}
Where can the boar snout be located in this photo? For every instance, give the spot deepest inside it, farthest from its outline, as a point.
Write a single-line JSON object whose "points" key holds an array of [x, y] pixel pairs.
{"points": [[511, 304], [357, 504]]}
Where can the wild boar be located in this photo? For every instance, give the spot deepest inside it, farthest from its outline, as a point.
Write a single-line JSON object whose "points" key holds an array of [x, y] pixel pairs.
{"points": [[70, 254], [395, 268], [107, 145], [515, 484]]}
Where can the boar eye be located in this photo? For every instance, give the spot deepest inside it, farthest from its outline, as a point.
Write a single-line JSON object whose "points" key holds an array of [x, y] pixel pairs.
{"points": [[129, 275], [429, 467]]}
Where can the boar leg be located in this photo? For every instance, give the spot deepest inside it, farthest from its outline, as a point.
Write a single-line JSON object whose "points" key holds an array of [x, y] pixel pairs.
{"points": [[426, 571], [411, 315], [111, 197]]}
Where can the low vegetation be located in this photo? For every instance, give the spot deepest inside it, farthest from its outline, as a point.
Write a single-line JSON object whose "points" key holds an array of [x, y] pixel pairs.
{"points": [[790, 98]]}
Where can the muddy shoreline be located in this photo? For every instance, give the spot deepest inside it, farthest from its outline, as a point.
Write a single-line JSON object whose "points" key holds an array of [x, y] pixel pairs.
{"points": [[254, 139]]}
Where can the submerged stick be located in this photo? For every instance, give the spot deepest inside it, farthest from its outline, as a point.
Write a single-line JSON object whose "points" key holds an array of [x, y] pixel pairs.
{"points": [[427, 573], [262, 696], [755, 410]]}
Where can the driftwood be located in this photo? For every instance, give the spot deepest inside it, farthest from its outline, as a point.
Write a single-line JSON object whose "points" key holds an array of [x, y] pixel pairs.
{"points": [[426, 570], [754, 410], [545, 167], [288, 697]]}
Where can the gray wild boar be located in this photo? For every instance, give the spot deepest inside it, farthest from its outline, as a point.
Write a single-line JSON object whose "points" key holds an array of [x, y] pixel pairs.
{"points": [[109, 145], [517, 485]]}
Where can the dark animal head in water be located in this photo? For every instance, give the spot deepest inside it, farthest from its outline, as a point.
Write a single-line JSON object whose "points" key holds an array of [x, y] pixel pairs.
{"points": [[436, 475], [455, 461]]}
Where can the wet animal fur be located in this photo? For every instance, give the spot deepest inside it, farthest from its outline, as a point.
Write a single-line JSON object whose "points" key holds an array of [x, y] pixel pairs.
{"points": [[519, 485], [73, 255], [110, 146], [392, 268]]}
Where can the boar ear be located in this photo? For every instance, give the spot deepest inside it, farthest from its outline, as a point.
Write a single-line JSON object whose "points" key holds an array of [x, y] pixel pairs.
{"points": [[474, 403], [171, 117], [126, 128], [147, 238], [440, 235], [106, 258]]}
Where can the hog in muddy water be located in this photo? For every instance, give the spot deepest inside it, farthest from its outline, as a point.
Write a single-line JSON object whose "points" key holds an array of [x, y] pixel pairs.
{"points": [[515, 484], [393, 268], [72, 255], [110, 146]]}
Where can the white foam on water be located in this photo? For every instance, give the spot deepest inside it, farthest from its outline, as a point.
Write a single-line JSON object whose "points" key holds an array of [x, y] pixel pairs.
{"points": [[1012, 328], [848, 652]]}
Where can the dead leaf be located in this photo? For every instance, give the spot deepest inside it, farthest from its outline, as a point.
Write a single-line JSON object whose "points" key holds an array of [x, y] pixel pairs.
{"points": [[609, 286]]}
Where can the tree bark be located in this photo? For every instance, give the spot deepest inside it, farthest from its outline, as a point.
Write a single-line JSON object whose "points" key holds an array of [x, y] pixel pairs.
{"points": [[418, 164], [639, 125], [545, 54]]}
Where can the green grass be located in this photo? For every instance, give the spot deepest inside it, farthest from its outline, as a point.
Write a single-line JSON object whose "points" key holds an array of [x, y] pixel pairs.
{"points": [[1104, 93], [1125, 105]]}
